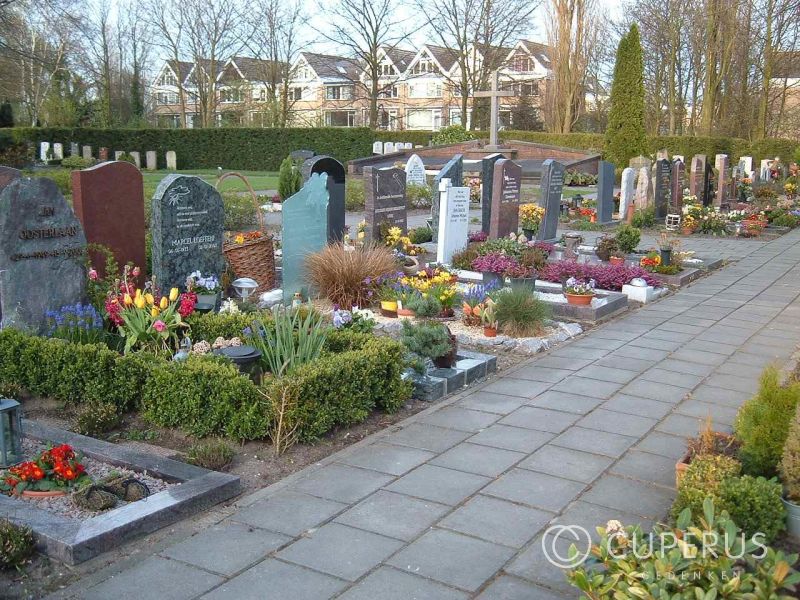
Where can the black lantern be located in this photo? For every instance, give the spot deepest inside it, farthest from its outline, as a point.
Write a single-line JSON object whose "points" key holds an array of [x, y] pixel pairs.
{"points": [[10, 432]]}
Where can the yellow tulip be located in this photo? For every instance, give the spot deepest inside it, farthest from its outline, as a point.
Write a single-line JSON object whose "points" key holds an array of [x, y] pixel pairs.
{"points": [[138, 302], [127, 300], [173, 294], [138, 293], [164, 302], [149, 299], [154, 311]]}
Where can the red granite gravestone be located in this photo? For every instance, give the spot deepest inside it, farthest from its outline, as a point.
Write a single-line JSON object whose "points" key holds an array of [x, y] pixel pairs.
{"points": [[506, 195], [109, 201]]}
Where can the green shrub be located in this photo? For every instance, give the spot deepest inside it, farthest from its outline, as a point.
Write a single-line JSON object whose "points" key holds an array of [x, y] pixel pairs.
{"points": [[452, 134], [607, 246], [209, 326], [463, 258], [703, 478], [763, 424], [96, 418], [520, 313], [786, 220], [77, 162], [420, 235], [354, 194], [644, 217], [289, 179], [214, 454], [240, 212], [754, 503], [790, 460], [126, 157], [419, 196], [628, 238], [16, 545], [424, 306], [427, 338]]}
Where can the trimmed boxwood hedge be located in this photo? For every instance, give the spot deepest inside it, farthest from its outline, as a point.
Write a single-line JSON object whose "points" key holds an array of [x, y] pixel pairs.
{"points": [[207, 396]]}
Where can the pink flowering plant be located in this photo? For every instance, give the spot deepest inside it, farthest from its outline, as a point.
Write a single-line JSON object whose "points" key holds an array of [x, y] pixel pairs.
{"points": [[579, 287], [607, 277], [494, 262]]}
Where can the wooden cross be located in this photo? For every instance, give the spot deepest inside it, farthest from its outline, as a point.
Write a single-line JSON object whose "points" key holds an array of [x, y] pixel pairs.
{"points": [[494, 118]]}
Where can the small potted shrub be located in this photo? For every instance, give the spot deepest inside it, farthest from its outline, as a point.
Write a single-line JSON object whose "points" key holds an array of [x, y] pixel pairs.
{"points": [[708, 442], [606, 247], [493, 265], [488, 318], [530, 218], [790, 476], [387, 295], [521, 277], [53, 473], [628, 238], [430, 339], [579, 292], [688, 225], [616, 258]]}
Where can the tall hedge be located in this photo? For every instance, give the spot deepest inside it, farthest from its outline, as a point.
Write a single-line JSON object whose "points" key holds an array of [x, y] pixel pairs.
{"points": [[625, 135]]}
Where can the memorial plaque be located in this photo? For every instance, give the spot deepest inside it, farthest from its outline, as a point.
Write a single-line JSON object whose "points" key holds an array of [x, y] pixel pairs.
{"points": [[42, 253], [415, 171], [336, 190], [551, 188], [487, 188], [453, 222], [506, 196], [187, 226], [454, 171], [385, 199], [305, 231], [662, 187], [605, 192]]}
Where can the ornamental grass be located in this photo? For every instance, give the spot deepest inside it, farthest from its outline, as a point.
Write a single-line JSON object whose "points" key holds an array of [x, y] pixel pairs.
{"points": [[340, 274]]}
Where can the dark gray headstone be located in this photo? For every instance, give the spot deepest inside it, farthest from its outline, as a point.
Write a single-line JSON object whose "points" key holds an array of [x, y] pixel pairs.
{"points": [[384, 199], [304, 232], [551, 187], [42, 253], [454, 171], [187, 225], [605, 192], [336, 191], [487, 176], [662, 186], [301, 154]]}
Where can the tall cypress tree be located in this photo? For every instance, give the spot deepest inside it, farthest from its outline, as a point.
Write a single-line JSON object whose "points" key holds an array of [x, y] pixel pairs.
{"points": [[6, 115], [625, 134]]}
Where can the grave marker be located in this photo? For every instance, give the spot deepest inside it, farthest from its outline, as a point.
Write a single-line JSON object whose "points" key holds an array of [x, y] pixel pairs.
{"points": [[137, 159], [415, 171], [723, 182], [305, 231], [638, 162], [697, 177], [643, 189], [151, 160], [7, 175], [746, 165], [336, 191], [74, 149], [102, 154], [377, 147], [58, 151], [87, 153], [506, 195], [44, 149], [388, 147], [605, 192], [678, 174], [385, 200], [454, 171], [662, 187], [487, 188], [187, 226], [118, 154], [453, 221], [627, 191], [107, 201], [172, 160], [551, 188], [42, 253]]}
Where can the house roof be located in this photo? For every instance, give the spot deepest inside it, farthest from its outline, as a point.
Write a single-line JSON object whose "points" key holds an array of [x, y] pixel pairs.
{"points": [[252, 69], [400, 57], [786, 65], [446, 57], [540, 52], [181, 68], [333, 68]]}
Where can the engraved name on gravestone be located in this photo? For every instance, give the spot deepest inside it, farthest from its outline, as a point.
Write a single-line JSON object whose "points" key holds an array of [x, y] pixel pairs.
{"points": [[663, 187], [453, 222], [42, 253], [551, 187], [384, 199], [415, 171], [454, 171], [506, 195], [187, 226], [336, 190], [605, 192], [487, 178], [305, 231]]}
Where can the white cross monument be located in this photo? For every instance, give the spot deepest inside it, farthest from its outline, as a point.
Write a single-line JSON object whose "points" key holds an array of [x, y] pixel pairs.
{"points": [[494, 117]]}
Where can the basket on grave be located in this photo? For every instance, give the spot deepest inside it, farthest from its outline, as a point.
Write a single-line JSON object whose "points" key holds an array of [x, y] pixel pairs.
{"points": [[251, 254]]}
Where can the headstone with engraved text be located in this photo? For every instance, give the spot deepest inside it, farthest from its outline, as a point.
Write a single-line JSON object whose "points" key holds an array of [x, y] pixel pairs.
{"points": [[506, 196], [454, 171], [551, 188], [384, 200], [453, 221]]}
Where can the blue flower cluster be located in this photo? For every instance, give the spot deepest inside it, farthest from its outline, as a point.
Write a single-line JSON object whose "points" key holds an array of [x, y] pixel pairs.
{"points": [[75, 322]]}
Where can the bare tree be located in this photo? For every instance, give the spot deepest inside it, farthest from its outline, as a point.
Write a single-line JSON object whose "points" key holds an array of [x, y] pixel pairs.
{"points": [[137, 39]]}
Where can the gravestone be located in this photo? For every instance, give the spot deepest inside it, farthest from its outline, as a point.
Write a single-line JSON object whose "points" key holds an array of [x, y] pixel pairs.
{"points": [[678, 173], [453, 221], [746, 165], [302, 154], [172, 160], [137, 159], [551, 187], [415, 171], [388, 147], [118, 154], [662, 187], [454, 171], [336, 191], [377, 147], [384, 200], [697, 177], [662, 154], [87, 153], [718, 159], [187, 224], [678, 157], [506, 196], [723, 183], [627, 191], [408, 146], [7, 175], [42, 253], [605, 192], [638, 162], [487, 188], [44, 149], [74, 149], [102, 154], [643, 198], [107, 201], [152, 160], [58, 151], [305, 231]]}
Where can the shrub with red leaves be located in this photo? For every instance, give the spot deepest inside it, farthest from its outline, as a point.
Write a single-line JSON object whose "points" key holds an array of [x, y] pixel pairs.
{"points": [[607, 277]]}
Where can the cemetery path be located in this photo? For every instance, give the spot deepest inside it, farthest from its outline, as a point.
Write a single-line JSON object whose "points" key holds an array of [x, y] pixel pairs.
{"points": [[453, 502]]}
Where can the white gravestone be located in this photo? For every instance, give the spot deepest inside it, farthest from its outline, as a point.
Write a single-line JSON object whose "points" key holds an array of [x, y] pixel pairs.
{"points": [[58, 151], [388, 147], [718, 161], [172, 160], [87, 153], [137, 159], [415, 171], [118, 154], [763, 173], [746, 166], [152, 158], [643, 189], [453, 221], [627, 190], [408, 146], [44, 148], [377, 147]]}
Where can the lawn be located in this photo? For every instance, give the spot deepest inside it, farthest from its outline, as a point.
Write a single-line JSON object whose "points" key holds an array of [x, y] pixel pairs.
{"points": [[260, 180]]}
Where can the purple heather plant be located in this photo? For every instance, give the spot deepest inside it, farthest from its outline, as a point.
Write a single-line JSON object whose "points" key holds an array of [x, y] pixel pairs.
{"points": [[607, 277], [477, 236], [494, 262]]}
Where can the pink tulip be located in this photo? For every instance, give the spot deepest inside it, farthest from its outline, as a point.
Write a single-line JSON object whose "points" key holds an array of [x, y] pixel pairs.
{"points": [[93, 275], [136, 272], [159, 326]]}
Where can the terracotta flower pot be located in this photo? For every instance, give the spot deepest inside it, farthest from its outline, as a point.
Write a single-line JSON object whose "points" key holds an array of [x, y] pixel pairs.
{"points": [[687, 231], [404, 312], [490, 331], [48, 494], [579, 299], [616, 260], [681, 466]]}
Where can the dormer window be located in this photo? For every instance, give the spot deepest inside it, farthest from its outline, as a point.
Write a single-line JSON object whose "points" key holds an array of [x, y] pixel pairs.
{"points": [[388, 70], [168, 78], [424, 65]]}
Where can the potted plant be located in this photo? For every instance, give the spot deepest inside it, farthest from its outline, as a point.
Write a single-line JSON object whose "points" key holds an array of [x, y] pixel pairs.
{"points": [[493, 265], [207, 288], [54, 472], [579, 292], [789, 468], [471, 302], [688, 224], [521, 276], [606, 246], [628, 238], [387, 295], [616, 258], [530, 218], [665, 246], [488, 318], [430, 339], [405, 297]]}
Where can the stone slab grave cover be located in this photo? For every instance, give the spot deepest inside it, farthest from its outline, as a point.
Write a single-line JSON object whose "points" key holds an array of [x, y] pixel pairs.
{"points": [[172, 160], [453, 221], [415, 171], [384, 199], [187, 226], [336, 186], [487, 178], [108, 201], [551, 188], [722, 166], [662, 187], [305, 231], [506, 196], [605, 192], [151, 159], [627, 190], [58, 151], [454, 171], [678, 174], [42, 253]]}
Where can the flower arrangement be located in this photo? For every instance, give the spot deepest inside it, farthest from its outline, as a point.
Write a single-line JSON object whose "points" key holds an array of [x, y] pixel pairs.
{"points": [[436, 281], [247, 236], [650, 261], [488, 314], [579, 287], [472, 300], [519, 271], [55, 469], [606, 276], [688, 222], [78, 323], [401, 243], [474, 184], [494, 262], [530, 216], [204, 285], [790, 189]]}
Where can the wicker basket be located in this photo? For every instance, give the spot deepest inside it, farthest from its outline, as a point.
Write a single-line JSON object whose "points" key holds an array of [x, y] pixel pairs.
{"points": [[254, 258]]}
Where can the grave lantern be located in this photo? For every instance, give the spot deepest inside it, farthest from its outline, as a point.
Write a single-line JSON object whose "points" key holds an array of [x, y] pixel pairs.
{"points": [[578, 199], [10, 432]]}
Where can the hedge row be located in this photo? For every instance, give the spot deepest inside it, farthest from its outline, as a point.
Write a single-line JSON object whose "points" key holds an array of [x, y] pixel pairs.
{"points": [[206, 396]]}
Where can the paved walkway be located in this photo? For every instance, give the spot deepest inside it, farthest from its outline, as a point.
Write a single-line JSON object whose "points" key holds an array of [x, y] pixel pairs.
{"points": [[451, 504]]}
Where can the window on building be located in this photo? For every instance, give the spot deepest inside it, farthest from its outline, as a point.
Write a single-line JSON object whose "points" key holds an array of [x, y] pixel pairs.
{"points": [[425, 89], [387, 70], [165, 98], [231, 95], [339, 92], [389, 92], [423, 65], [340, 118], [524, 64], [424, 118], [526, 89], [168, 78], [296, 93]]}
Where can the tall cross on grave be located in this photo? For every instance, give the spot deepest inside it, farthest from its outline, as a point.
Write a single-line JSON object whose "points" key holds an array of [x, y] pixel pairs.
{"points": [[494, 118]]}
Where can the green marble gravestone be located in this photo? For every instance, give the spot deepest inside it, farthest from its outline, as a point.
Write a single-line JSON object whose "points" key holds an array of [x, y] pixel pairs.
{"points": [[305, 231]]}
